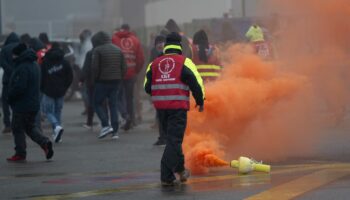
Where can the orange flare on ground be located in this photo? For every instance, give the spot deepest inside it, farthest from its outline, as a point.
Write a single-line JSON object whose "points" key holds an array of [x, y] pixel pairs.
{"points": [[203, 159], [211, 160], [202, 153]]}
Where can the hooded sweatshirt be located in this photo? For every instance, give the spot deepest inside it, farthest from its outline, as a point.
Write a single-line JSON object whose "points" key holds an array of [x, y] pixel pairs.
{"points": [[203, 52], [24, 84], [6, 60], [39, 48], [108, 64], [171, 26], [132, 50], [56, 75]]}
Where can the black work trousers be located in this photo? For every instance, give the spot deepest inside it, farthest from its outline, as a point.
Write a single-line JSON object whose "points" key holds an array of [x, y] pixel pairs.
{"points": [[25, 123], [90, 106], [161, 129], [173, 160], [126, 107]]}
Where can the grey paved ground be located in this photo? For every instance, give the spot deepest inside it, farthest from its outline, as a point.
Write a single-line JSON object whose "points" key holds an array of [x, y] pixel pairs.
{"points": [[87, 168]]}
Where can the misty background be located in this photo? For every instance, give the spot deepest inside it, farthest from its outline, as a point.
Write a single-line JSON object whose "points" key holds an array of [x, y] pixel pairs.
{"points": [[67, 18]]}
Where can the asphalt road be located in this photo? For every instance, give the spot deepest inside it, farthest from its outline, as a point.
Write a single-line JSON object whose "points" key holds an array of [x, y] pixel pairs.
{"points": [[84, 167]]}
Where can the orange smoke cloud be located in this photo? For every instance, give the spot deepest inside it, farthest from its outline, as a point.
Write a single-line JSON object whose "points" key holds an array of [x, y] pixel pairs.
{"points": [[246, 92], [204, 154], [275, 110]]}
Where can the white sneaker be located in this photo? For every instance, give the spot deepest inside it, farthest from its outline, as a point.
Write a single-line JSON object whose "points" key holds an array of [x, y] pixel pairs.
{"points": [[57, 134], [115, 136], [105, 131], [87, 126]]}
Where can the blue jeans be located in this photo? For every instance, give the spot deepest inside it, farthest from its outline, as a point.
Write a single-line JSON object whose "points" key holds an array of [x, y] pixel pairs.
{"points": [[52, 107], [107, 92]]}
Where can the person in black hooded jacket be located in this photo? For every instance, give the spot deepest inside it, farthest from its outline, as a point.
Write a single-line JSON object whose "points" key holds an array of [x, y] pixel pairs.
{"points": [[170, 27], [39, 48], [23, 96], [56, 77], [7, 64]]}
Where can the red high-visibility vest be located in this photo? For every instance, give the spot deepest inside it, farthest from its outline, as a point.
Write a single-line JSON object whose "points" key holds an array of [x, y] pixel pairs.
{"points": [[209, 71], [168, 91]]}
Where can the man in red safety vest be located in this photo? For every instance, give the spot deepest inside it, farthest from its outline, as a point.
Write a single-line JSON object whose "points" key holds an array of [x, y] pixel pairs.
{"points": [[134, 57], [169, 80]]}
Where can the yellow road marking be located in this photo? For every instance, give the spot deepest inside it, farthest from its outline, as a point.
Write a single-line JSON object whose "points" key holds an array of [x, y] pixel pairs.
{"points": [[35, 175], [96, 192], [278, 171], [284, 170], [302, 185]]}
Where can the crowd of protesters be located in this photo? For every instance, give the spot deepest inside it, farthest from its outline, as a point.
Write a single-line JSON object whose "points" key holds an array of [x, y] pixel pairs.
{"points": [[38, 75]]}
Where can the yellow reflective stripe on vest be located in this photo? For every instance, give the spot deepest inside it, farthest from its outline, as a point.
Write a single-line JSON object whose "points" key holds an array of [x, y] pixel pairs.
{"points": [[189, 64], [209, 74], [177, 47], [170, 98], [170, 86], [216, 67], [148, 69]]}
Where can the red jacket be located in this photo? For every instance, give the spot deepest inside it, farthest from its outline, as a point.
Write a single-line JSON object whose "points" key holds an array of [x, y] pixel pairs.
{"points": [[132, 50], [168, 91]]}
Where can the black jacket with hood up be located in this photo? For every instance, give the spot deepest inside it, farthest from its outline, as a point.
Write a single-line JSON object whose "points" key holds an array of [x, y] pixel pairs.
{"points": [[24, 84], [171, 26], [6, 60], [56, 74]]}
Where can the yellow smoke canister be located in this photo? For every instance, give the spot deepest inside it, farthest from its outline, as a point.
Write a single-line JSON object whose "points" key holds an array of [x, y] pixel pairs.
{"points": [[246, 165]]}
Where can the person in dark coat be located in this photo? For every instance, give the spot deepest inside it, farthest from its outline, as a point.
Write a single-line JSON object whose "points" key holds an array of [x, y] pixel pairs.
{"points": [[170, 27], [44, 38], [39, 48], [157, 49], [87, 80], [7, 64], [109, 68], [56, 78], [156, 52], [23, 97], [25, 38]]}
